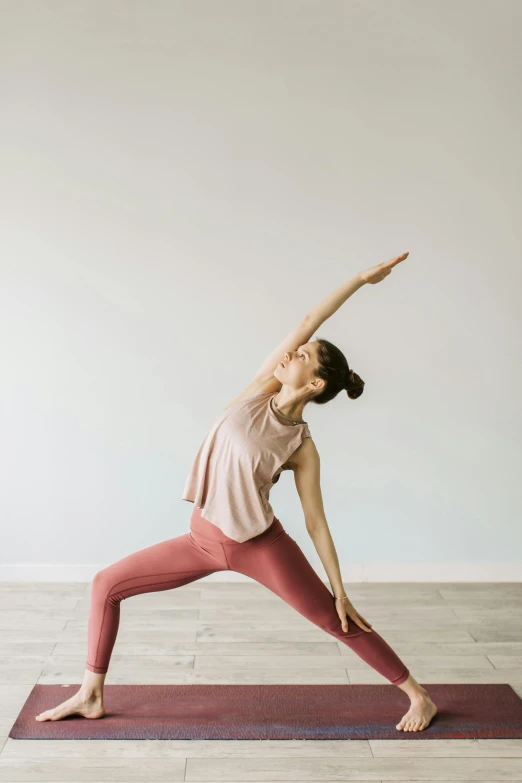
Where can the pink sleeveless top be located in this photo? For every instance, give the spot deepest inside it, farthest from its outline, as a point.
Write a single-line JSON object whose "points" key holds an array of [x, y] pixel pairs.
{"points": [[239, 460]]}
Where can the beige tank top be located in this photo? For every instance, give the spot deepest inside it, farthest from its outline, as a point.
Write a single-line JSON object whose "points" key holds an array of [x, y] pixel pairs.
{"points": [[239, 460]]}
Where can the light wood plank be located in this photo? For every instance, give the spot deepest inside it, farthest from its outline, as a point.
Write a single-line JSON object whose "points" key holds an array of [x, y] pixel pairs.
{"points": [[448, 748], [472, 663], [65, 770], [163, 646], [328, 769], [187, 749]]}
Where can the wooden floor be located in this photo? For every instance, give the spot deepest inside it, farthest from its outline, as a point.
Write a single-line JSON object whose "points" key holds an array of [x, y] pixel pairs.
{"points": [[217, 632]]}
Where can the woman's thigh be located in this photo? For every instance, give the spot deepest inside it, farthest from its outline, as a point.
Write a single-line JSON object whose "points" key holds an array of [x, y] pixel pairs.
{"points": [[282, 566], [162, 566]]}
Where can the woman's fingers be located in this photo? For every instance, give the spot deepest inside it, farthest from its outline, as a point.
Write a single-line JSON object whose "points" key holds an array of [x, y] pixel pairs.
{"points": [[387, 266], [343, 617], [362, 623], [377, 273], [396, 260]]}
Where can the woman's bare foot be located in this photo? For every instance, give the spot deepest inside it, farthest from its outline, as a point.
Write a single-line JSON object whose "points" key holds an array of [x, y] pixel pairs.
{"points": [[419, 716], [88, 705]]}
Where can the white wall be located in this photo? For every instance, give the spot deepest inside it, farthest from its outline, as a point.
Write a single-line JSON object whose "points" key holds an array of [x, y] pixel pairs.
{"points": [[181, 182]]}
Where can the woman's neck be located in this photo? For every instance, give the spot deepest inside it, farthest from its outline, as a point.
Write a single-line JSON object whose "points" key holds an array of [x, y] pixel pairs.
{"points": [[289, 406]]}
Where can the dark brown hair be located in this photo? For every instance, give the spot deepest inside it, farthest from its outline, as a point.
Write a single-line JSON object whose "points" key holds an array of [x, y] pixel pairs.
{"points": [[333, 368]]}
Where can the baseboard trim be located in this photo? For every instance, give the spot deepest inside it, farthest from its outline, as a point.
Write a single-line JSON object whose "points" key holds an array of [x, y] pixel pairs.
{"points": [[352, 572]]}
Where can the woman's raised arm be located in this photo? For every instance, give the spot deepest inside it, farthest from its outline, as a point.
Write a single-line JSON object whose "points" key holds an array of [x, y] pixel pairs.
{"points": [[331, 303], [317, 315], [264, 379]]}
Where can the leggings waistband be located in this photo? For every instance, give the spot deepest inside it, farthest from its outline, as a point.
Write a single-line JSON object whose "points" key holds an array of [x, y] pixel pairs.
{"points": [[202, 527]]}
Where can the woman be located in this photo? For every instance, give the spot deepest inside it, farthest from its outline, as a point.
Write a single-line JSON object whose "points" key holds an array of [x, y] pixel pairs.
{"points": [[233, 526]]}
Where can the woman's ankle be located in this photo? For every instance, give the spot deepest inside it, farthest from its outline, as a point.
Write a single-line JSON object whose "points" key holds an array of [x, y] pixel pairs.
{"points": [[92, 686], [421, 695], [413, 689]]}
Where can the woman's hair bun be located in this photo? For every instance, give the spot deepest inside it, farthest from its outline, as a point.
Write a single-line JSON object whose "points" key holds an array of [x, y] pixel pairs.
{"points": [[354, 385]]}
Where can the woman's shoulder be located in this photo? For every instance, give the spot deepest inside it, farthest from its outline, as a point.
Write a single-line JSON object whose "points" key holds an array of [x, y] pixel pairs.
{"points": [[306, 453]]}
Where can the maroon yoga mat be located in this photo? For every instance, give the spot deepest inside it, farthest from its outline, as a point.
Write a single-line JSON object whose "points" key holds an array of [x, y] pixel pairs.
{"points": [[286, 711]]}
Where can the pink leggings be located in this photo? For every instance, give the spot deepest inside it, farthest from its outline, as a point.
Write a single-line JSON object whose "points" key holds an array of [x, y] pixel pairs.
{"points": [[272, 558]]}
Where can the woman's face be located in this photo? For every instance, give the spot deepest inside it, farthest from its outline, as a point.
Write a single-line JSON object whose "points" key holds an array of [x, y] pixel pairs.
{"points": [[297, 368]]}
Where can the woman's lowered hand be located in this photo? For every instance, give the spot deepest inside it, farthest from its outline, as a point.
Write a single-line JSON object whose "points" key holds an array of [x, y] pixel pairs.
{"points": [[345, 610]]}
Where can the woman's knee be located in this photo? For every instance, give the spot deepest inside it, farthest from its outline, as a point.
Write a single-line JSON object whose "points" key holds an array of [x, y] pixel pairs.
{"points": [[103, 581]]}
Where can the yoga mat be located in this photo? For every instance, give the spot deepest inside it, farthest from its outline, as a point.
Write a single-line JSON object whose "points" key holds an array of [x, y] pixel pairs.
{"points": [[286, 711]]}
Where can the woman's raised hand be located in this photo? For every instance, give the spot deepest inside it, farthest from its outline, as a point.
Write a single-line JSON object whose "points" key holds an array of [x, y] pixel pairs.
{"points": [[377, 273]]}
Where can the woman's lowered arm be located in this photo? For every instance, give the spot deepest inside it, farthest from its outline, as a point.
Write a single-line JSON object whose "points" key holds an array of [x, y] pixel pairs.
{"points": [[306, 467], [331, 303]]}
